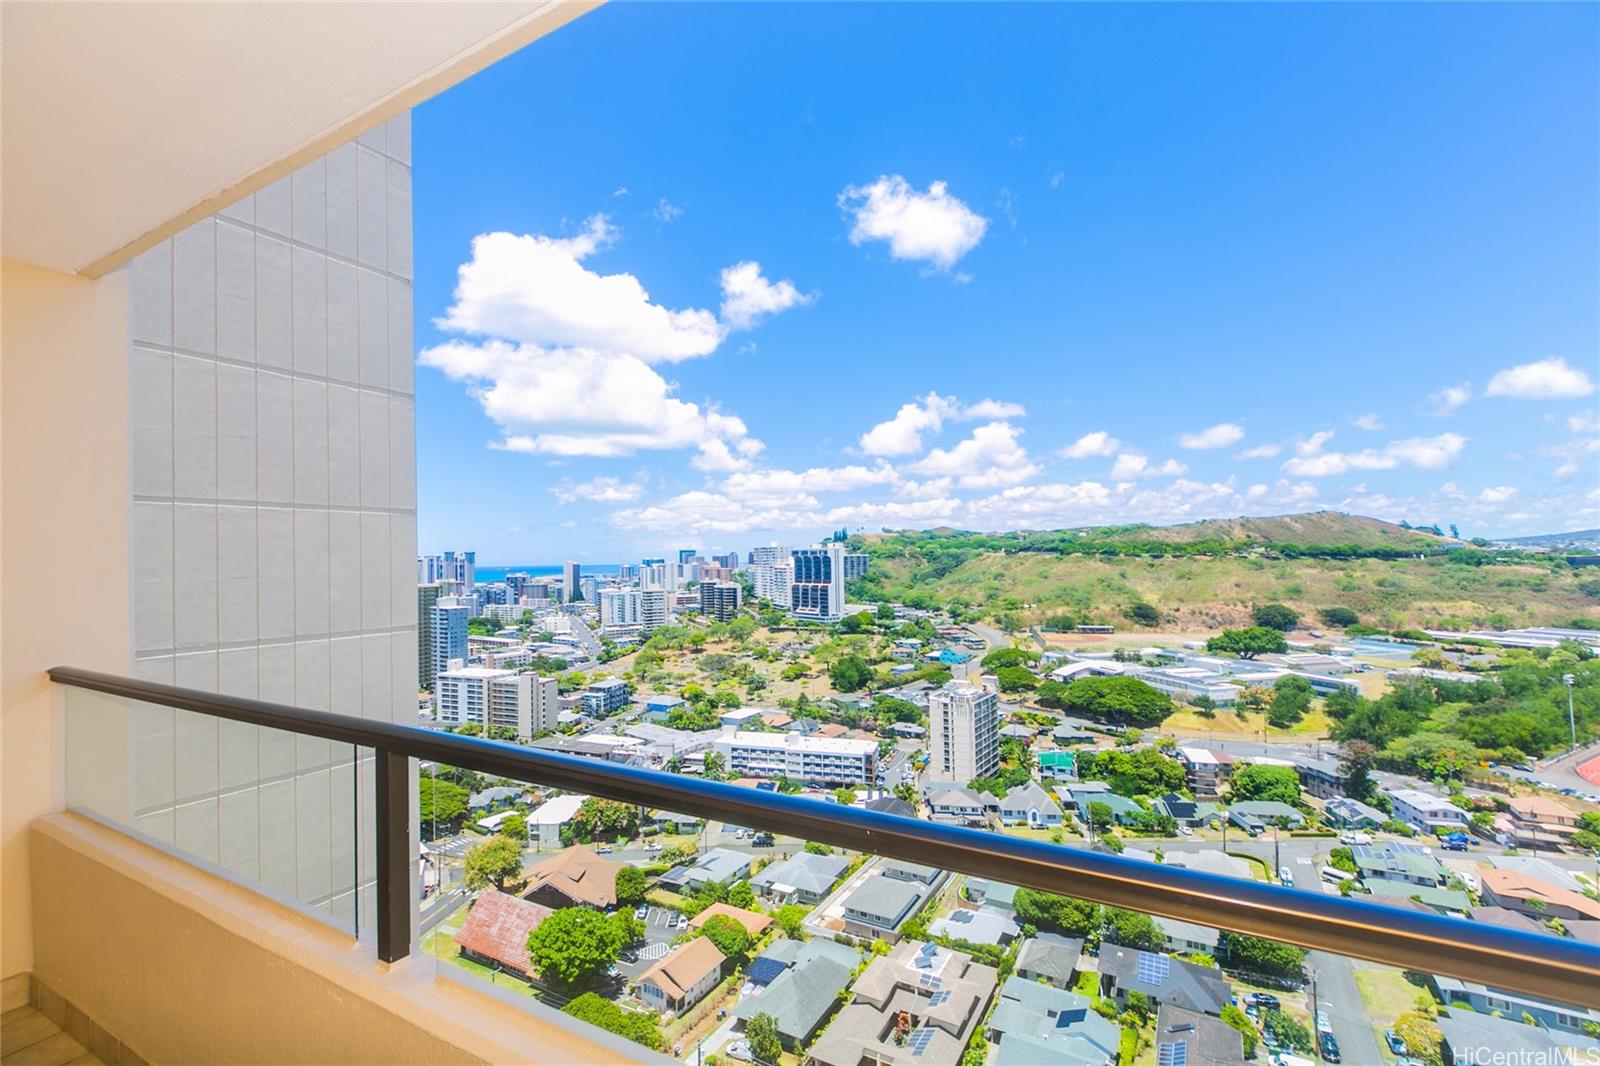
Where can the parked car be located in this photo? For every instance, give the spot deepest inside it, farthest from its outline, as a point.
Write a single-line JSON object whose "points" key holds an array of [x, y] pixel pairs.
{"points": [[1334, 875], [763, 840], [641, 912], [1453, 844], [1352, 838], [1323, 1026], [603, 849], [1329, 1047], [1263, 1000], [1285, 876], [1396, 1045]]}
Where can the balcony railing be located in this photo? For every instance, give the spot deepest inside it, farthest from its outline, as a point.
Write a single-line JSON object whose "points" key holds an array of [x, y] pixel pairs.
{"points": [[1563, 970]]}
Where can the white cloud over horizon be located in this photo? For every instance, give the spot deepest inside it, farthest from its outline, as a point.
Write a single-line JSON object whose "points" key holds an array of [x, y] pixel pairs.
{"points": [[904, 433], [1424, 453]]}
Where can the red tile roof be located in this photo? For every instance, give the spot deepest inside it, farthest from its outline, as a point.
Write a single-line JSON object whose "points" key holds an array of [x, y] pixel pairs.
{"points": [[497, 928]]}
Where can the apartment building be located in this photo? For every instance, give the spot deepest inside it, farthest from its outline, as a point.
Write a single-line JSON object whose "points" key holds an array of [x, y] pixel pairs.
{"points": [[817, 760], [963, 732], [427, 599], [619, 610], [719, 600], [817, 591], [524, 703], [1425, 812], [447, 630], [606, 696], [1205, 771]]}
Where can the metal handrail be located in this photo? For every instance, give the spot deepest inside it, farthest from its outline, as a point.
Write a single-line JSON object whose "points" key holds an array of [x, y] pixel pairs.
{"points": [[1561, 969]]}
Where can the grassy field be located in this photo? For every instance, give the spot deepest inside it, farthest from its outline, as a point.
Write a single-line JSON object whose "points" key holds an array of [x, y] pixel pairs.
{"points": [[1385, 993], [1198, 595], [1241, 725]]}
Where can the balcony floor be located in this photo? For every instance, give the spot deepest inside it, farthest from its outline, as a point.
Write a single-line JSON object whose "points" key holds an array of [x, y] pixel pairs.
{"points": [[28, 1038]]}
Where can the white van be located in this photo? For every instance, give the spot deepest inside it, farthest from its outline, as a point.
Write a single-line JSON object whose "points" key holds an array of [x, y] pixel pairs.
{"points": [[1333, 875]]}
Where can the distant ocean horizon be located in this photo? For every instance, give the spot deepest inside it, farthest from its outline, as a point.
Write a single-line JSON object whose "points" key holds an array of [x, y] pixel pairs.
{"points": [[491, 574]]}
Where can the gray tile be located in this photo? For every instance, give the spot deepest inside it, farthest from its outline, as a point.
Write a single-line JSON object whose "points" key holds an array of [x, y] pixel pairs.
{"points": [[399, 138], [377, 673], [275, 585], [310, 313], [344, 446], [344, 341], [273, 208], [342, 224], [274, 304], [150, 296], [372, 221], [398, 209], [310, 573], [375, 454], [275, 437], [236, 293], [194, 288], [309, 190], [194, 417], [372, 308], [402, 353], [151, 564], [310, 442], [237, 581], [402, 457], [236, 432], [344, 571], [376, 597], [150, 415], [195, 584]]}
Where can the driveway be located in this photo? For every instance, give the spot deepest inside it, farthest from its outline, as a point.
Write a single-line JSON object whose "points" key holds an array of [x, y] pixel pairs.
{"points": [[1334, 978]]}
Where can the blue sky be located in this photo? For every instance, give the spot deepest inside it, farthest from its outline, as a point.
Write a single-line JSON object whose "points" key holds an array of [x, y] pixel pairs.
{"points": [[721, 274]]}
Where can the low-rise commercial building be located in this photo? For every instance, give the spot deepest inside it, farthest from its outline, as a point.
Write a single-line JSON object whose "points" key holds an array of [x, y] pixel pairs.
{"points": [[815, 759]]}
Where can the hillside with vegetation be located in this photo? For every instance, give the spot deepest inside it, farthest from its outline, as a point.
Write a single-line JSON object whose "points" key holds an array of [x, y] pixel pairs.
{"points": [[1209, 575]]}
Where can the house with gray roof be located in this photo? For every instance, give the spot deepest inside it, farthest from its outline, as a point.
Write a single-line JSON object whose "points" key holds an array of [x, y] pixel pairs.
{"points": [[800, 987], [1029, 805], [900, 870], [1187, 938], [1049, 957], [1162, 978], [959, 805], [1196, 1039], [1568, 1020], [1405, 864], [876, 908], [1034, 1023], [943, 993], [990, 893], [1472, 1037], [716, 866], [1443, 900], [986, 925], [1255, 815], [803, 878], [1347, 813]]}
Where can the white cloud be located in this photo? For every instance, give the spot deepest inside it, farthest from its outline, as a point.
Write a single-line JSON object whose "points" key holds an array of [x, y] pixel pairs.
{"points": [[1260, 451], [599, 490], [1130, 465], [747, 297], [706, 512], [1091, 445], [933, 511], [1369, 422], [991, 457], [580, 402], [1449, 398], [1056, 178], [1585, 422], [1548, 379], [621, 190], [1256, 491], [1313, 444], [1218, 436], [903, 434], [933, 226], [666, 211], [1575, 455], [1497, 494], [776, 486], [1425, 453]]}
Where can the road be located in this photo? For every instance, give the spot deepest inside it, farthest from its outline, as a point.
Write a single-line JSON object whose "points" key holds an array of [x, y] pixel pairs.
{"points": [[1335, 984], [1562, 771]]}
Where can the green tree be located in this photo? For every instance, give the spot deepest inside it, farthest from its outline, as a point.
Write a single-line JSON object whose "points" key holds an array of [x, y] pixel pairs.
{"points": [[906, 792], [715, 766], [638, 1026], [1008, 657], [1258, 955], [440, 806], [1339, 616], [1123, 700], [630, 886], [516, 827], [1421, 1036], [1145, 772], [761, 1033], [886, 613], [1285, 1031], [814, 847], [1132, 929], [494, 862], [741, 895], [1015, 679], [1343, 859], [792, 920], [1356, 761], [1291, 698], [850, 673], [1258, 781], [573, 946], [1248, 643], [729, 936], [1275, 616], [1049, 911], [1143, 614], [1100, 816]]}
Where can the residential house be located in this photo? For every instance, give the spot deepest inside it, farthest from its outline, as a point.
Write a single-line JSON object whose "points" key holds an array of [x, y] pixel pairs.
{"points": [[1035, 1023], [1442, 900], [1196, 1039], [798, 983], [1534, 896], [1255, 815], [890, 805], [1321, 778], [1487, 1001], [1073, 731], [1058, 766], [877, 907], [495, 933], [1124, 811], [1187, 812], [802, 878], [1029, 805], [753, 922], [939, 994], [1212, 862], [682, 977], [576, 877], [1425, 812], [1394, 862], [930, 877], [1346, 813], [1508, 920], [985, 925], [950, 803], [1049, 957], [1162, 978], [546, 820], [990, 893], [717, 866], [1205, 771], [1543, 869], [1539, 822], [1024, 733], [1187, 938]]}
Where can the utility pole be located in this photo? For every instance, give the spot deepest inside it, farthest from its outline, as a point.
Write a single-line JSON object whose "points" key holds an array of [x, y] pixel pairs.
{"points": [[1572, 723], [1277, 860]]}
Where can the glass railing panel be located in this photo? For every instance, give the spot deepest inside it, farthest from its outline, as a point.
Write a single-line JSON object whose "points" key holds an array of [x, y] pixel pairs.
{"points": [[288, 815]]}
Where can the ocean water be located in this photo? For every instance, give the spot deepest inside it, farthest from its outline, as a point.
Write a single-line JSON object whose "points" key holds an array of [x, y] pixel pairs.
{"points": [[490, 574]]}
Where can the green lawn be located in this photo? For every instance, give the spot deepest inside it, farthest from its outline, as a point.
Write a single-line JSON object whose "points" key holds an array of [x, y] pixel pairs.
{"points": [[1088, 984], [1385, 993], [1257, 866]]}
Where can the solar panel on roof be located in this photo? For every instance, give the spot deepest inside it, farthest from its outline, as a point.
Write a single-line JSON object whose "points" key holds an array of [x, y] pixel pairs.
{"points": [[928, 980], [918, 1041], [928, 949], [1153, 969], [763, 970], [1173, 1054], [937, 998]]}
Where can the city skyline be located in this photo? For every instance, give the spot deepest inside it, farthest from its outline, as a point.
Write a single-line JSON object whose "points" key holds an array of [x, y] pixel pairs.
{"points": [[1250, 261]]}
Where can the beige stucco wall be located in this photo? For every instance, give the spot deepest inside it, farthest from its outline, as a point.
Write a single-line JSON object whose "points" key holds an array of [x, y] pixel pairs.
{"points": [[182, 966], [63, 539]]}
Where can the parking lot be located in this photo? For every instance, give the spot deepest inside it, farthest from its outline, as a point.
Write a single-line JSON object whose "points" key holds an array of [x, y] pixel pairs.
{"points": [[659, 931]]}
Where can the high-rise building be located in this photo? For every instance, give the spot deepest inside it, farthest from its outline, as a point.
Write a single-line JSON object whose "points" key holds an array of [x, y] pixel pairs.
{"points": [[855, 565], [685, 554], [768, 555], [619, 609], [571, 589], [963, 732], [628, 573], [449, 634], [654, 608], [525, 703], [818, 588], [729, 561], [719, 600], [773, 582], [458, 569], [427, 598]]}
